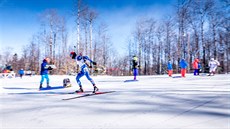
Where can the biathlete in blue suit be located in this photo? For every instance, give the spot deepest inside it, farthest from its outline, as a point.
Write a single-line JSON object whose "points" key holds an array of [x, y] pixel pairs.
{"points": [[44, 72], [81, 61]]}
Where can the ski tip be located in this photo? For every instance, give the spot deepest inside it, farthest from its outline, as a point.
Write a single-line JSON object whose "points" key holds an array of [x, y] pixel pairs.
{"points": [[103, 92], [131, 80]]}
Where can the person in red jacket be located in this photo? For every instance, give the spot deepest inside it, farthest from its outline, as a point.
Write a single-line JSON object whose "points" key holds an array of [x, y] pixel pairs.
{"points": [[195, 67]]}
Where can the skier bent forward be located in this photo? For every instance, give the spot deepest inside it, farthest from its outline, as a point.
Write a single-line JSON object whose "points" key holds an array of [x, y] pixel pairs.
{"points": [[81, 61]]}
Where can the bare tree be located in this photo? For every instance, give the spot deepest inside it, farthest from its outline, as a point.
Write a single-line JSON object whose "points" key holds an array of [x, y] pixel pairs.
{"points": [[223, 31], [79, 10], [202, 7], [51, 21], [62, 61], [7, 55], [138, 38], [169, 35], [143, 44], [102, 45], [182, 17], [14, 62], [53, 38], [159, 35]]}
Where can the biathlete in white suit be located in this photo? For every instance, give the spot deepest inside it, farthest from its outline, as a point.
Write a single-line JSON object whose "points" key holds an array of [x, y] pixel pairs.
{"points": [[81, 62], [213, 64]]}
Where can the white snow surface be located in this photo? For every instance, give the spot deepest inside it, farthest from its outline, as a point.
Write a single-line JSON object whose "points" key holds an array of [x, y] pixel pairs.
{"points": [[153, 102]]}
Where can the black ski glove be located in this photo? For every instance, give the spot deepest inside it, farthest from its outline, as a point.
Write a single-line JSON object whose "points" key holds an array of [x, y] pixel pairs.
{"points": [[94, 63], [50, 68]]}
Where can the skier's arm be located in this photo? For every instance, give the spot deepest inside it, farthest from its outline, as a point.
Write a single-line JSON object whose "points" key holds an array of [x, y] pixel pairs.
{"points": [[48, 67], [209, 64], [217, 62], [87, 58], [44, 66]]}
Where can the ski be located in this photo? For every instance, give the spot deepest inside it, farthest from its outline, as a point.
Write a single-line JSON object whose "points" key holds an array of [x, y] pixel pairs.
{"points": [[90, 94], [52, 88], [130, 80], [68, 93]]}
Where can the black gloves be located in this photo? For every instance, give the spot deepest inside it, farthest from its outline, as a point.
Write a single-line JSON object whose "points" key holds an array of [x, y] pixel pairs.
{"points": [[50, 68], [90, 66], [94, 63]]}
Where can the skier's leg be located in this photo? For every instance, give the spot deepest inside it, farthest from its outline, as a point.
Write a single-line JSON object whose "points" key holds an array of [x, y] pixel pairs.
{"points": [[135, 73], [47, 80], [79, 75], [183, 72], [170, 73], [89, 78], [42, 80], [197, 71], [214, 71], [210, 71]]}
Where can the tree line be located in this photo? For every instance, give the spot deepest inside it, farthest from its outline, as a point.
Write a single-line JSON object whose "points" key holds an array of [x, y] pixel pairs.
{"points": [[197, 29]]}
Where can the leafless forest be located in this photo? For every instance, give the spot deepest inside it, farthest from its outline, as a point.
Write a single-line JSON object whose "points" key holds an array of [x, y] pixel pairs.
{"points": [[197, 29]]}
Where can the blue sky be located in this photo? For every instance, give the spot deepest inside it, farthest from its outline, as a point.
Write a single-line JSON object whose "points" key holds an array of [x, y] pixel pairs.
{"points": [[19, 18]]}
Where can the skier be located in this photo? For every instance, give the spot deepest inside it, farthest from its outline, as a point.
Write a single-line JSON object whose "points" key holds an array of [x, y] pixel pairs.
{"points": [[170, 69], [135, 66], [212, 66], [44, 72], [81, 62], [195, 66], [21, 72], [183, 66]]}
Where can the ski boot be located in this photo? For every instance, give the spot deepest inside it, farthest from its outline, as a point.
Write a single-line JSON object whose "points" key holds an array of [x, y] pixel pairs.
{"points": [[40, 87], [80, 90], [48, 86], [95, 89]]}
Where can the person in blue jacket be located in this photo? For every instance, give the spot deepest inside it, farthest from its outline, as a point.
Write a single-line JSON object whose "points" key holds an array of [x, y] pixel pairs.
{"points": [[183, 65], [170, 69], [21, 72], [44, 72], [82, 63]]}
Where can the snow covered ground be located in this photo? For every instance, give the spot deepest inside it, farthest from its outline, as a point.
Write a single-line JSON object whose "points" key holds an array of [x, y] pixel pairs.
{"points": [[153, 102]]}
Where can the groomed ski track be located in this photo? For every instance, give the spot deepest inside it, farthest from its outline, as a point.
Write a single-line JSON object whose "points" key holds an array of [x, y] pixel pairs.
{"points": [[153, 102]]}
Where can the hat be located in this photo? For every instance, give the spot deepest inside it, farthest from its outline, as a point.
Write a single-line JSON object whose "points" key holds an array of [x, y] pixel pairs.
{"points": [[73, 55]]}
